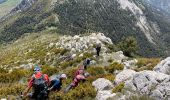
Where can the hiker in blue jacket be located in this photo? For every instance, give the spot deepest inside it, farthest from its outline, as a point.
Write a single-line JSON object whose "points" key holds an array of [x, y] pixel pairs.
{"points": [[56, 84]]}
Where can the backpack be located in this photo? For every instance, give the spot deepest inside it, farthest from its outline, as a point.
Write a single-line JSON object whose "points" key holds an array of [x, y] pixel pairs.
{"points": [[39, 84]]}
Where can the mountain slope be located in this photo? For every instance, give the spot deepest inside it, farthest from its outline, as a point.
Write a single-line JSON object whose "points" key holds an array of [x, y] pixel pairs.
{"points": [[163, 5], [7, 5], [115, 18]]}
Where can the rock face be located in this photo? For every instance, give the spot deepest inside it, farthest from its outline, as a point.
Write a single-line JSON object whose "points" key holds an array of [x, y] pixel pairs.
{"points": [[104, 88], [104, 95], [124, 75], [78, 43], [154, 84], [24, 5], [163, 66], [102, 84], [130, 64]]}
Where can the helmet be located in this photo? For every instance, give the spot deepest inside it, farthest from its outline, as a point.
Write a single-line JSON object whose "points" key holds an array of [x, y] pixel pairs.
{"points": [[63, 76], [37, 68], [86, 74]]}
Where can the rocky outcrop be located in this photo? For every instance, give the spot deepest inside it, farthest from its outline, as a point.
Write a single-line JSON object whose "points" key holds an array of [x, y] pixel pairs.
{"points": [[130, 63], [104, 89], [79, 43], [124, 75], [106, 84], [163, 66], [154, 84], [104, 95]]}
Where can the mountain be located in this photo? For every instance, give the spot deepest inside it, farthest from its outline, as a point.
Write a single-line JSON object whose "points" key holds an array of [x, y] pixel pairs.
{"points": [[114, 18], [160, 4], [59, 36], [7, 5], [1, 1]]}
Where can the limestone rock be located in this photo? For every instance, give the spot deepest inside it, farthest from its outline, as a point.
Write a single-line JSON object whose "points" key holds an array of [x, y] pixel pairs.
{"points": [[102, 84], [163, 66], [124, 75], [104, 95]]}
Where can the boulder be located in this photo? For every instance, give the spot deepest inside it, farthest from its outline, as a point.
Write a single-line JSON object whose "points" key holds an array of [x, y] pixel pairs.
{"points": [[163, 66], [104, 95], [130, 64], [124, 75], [154, 84], [102, 84]]}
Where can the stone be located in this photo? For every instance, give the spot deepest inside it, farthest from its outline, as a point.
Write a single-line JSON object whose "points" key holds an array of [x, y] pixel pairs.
{"points": [[104, 95], [124, 75], [130, 64], [102, 84], [163, 66], [73, 56], [154, 84]]}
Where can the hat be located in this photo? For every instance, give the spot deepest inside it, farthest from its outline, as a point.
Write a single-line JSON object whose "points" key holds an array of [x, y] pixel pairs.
{"points": [[63, 76]]}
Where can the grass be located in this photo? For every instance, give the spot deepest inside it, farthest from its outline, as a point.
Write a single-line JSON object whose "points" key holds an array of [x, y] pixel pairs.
{"points": [[19, 51], [147, 63]]}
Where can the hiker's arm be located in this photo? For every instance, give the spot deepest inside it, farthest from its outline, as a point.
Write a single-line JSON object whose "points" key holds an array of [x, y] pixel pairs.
{"points": [[29, 87], [53, 85], [26, 91]]}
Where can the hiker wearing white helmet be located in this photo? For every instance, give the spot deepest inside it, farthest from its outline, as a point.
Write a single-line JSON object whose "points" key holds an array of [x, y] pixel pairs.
{"points": [[56, 84]]}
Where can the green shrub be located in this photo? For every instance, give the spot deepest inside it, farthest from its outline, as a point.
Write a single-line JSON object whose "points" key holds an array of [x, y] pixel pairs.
{"points": [[50, 70], [3, 70], [56, 50], [118, 88], [109, 76], [110, 60], [14, 89], [70, 72], [66, 64], [95, 70], [106, 76], [87, 55], [14, 76], [63, 51], [148, 63], [112, 47], [83, 90], [128, 46], [114, 66], [140, 97]]}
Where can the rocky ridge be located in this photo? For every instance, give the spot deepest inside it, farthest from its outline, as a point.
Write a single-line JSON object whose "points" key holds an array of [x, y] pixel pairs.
{"points": [[155, 84]]}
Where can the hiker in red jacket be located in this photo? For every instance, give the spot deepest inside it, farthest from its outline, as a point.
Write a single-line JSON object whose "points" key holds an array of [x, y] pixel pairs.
{"points": [[39, 82]]}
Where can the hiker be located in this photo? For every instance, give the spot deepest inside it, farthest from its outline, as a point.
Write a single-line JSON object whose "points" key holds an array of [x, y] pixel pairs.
{"points": [[86, 63], [81, 70], [56, 84], [79, 78], [39, 82], [98, 48]]}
